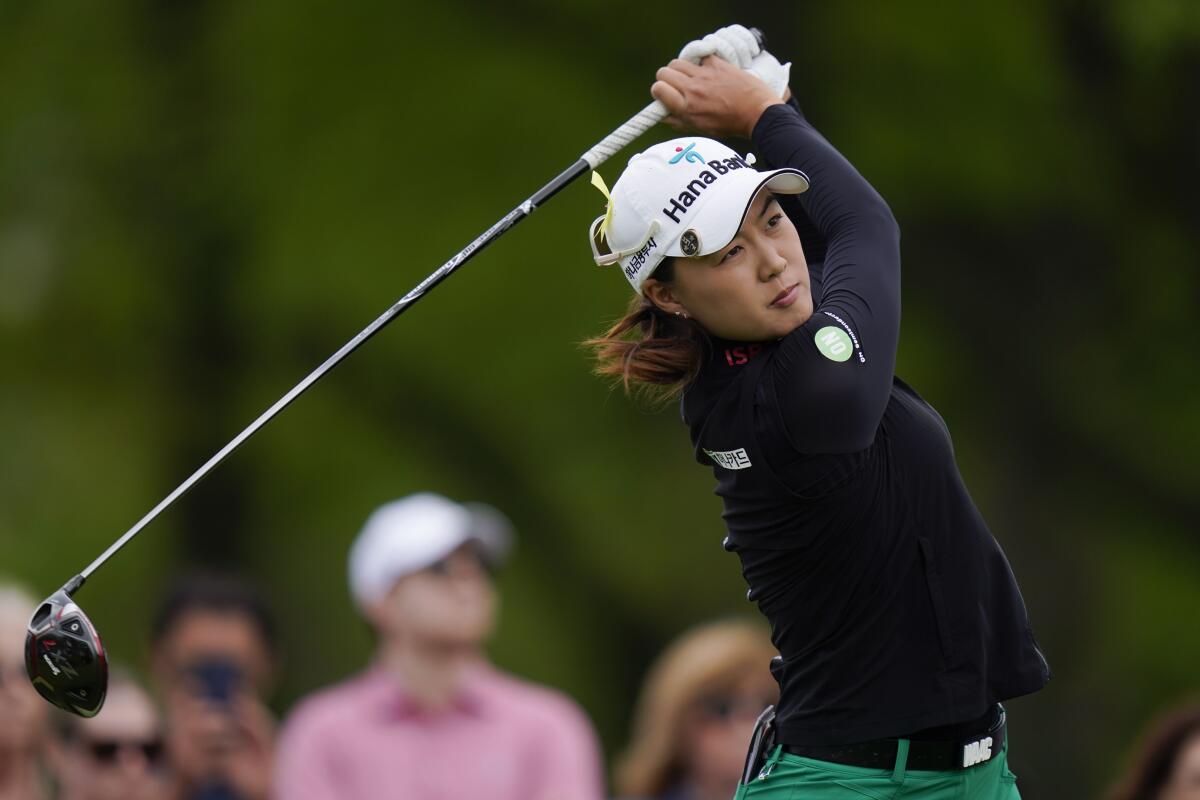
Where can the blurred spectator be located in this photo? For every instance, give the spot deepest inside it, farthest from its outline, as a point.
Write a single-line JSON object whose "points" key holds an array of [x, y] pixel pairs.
{"points": [[1166, 764], [23, 713], [695, 714], [213, 658], [431, 718], [117, 755]]}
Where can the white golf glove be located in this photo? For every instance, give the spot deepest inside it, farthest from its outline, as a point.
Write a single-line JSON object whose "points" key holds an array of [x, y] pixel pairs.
{"points": [[733, 43], [737, 45], [773, 74]]}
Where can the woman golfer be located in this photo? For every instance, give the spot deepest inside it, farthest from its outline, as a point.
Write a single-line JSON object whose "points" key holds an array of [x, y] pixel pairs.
{"points": [[771, 301]]}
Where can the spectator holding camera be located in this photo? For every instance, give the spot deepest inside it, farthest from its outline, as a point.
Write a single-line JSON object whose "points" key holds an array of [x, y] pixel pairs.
{"points": [[214, 655], [431, 718]]}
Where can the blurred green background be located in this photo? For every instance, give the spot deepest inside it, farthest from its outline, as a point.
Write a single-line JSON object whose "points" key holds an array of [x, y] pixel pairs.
{"points": [[199, 201]]}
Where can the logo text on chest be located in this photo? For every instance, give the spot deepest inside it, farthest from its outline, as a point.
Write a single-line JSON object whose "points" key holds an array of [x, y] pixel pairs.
{"points": [[730, 459], [738, 356]]}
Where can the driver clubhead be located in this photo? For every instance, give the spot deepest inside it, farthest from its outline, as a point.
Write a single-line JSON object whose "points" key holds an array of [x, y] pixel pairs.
{"points": [[64, 656]]}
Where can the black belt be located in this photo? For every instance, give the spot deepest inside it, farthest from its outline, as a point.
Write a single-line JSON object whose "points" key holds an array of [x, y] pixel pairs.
{"points": [[970, 751]]}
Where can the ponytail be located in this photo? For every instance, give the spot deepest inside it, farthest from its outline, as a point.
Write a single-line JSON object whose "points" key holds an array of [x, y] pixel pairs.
{"points": [[650, 350]]}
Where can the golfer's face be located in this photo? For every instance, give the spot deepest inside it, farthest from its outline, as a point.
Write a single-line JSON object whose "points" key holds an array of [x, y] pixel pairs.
{"points": [[754, 289], [451, 601]]}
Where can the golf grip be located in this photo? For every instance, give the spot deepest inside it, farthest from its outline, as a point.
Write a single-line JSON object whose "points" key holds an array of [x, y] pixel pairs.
{"points": [[638, 124], [607, 147]]}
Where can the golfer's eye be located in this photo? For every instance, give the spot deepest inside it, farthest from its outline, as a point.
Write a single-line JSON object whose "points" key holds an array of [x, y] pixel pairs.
{"points": [[733, 251], [775, 220]]}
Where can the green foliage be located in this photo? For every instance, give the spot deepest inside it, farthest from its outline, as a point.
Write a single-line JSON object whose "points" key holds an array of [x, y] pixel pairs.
{"points": [[200, 201]]}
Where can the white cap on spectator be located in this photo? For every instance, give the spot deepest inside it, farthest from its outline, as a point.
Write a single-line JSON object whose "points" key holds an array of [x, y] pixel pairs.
{"points": [[410, 534]]}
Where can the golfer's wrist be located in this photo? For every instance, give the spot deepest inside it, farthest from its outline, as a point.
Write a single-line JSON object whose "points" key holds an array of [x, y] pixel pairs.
{"points": [[757, 108]]}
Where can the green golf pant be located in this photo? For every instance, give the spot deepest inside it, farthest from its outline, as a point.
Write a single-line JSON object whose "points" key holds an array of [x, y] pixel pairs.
{"points": [[789, 777]]}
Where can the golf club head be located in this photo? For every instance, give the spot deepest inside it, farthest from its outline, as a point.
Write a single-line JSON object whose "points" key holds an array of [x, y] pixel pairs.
{"points": [[64, 656]]}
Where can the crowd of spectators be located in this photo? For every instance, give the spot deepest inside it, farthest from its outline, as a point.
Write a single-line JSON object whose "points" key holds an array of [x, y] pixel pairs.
{"points": [[428, 718]]}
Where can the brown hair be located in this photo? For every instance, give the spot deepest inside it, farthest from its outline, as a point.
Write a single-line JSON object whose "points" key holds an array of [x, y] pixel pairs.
{"points": [[657, 351], [1156, 754], [703, 660]]}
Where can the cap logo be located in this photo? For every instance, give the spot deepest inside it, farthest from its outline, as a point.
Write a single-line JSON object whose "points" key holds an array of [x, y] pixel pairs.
{"points": [[833, 343], [688, 154], [689, 243], [639, 258], [680, 204]]}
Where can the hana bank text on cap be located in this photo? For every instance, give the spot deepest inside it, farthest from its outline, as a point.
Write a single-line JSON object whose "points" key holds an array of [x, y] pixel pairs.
{"points": [[684, 197]]}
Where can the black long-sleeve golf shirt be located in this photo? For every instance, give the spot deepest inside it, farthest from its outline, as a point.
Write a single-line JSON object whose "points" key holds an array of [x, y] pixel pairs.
{"points": [[893, 607]]}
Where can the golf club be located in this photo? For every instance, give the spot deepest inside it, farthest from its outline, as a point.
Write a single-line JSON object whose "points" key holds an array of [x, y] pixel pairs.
{"points": [[64, 656]]}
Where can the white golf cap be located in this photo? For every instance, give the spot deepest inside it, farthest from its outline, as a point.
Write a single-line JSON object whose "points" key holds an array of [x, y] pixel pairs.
{"points": [[685, 197], [412, 533]]}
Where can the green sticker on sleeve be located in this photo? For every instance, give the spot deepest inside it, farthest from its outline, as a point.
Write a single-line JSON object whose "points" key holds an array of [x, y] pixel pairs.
{"points": [[833, 343]]}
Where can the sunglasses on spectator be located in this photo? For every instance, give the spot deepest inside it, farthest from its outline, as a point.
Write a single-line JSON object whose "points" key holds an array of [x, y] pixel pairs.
{"points": [[106, 751]]}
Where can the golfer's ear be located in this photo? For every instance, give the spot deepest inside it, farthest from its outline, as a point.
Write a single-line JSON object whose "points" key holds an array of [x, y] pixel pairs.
{"points": [[663, 296]]}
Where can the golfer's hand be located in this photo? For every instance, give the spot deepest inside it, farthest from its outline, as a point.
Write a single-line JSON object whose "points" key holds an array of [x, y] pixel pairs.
{"points": [[713, 97]]}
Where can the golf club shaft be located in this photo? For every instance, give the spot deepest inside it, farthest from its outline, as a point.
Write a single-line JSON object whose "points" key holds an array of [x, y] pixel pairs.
{"points": [[630, 130]]}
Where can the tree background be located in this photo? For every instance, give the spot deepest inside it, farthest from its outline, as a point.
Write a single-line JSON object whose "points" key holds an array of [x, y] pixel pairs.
{"points": [[199, 201]]}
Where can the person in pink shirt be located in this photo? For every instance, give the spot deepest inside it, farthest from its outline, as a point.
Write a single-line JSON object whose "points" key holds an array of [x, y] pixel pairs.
{"points": [[431, 719]]}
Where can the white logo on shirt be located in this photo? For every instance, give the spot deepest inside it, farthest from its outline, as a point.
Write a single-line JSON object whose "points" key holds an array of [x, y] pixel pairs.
{"points": [[862, 358], [730, 459], [977, 752]]}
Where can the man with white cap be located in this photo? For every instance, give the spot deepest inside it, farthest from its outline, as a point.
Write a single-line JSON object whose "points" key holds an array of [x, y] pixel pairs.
{"points": [[431, 718]]}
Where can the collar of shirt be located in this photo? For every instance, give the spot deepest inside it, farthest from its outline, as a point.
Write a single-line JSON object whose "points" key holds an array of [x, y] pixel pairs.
{"points": [[387, 697], [724, 359]]}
